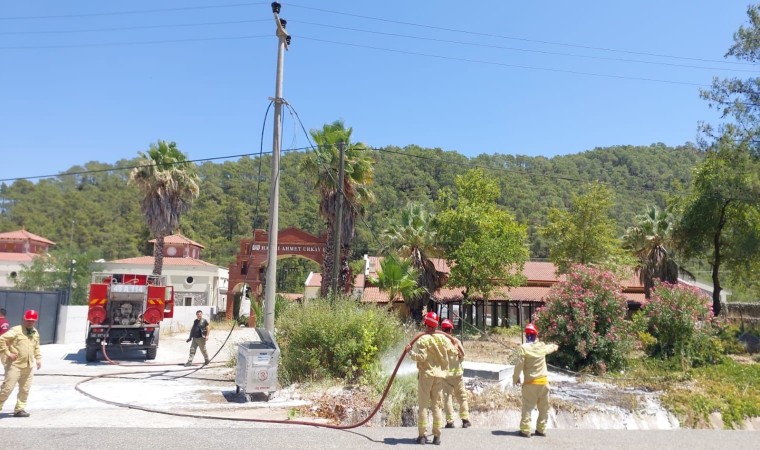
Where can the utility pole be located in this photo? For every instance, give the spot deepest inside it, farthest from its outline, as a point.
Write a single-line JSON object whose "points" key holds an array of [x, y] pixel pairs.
{"points": [[71, 279], [338, 220], [274, 194]]}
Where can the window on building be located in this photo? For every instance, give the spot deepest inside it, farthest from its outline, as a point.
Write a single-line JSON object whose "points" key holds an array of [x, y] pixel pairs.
{"points": [[188, 301], [13, 274], [189, 280]]}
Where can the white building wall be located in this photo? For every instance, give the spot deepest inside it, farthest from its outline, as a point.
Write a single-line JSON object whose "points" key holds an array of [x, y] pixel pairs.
{"points": [[6, 269], [200, 284]]}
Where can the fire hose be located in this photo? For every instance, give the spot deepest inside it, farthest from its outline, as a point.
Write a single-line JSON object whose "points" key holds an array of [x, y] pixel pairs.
{"points": [[79, 388]]}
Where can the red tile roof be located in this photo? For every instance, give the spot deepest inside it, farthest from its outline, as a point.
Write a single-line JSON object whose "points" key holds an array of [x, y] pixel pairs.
{"points": [[168, 261], [178, 239], [540, 276], [523, 293], [374, 295], [17, 257], [22, 235]]}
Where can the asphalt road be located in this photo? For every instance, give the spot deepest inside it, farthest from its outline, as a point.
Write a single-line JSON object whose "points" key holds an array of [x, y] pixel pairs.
{"points": [[315, 438]]}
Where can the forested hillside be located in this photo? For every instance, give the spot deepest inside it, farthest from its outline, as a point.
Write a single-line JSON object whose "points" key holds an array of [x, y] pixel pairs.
{"points": [[92, 208]]}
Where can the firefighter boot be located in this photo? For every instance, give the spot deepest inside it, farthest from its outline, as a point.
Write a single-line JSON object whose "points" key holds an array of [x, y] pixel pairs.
{"points": [[421, 440], [465, 423], [206, 362], [449, 424], [437, 440], [540, 433], [21, 413]]}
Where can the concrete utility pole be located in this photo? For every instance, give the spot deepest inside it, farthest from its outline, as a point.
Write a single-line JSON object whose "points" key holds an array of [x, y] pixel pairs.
{"points": [[274, 194], [338, 220], [71, 280]]}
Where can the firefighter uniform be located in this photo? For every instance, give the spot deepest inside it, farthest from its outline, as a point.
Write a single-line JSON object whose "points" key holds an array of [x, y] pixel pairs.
{"points": [[25, 343], [453, 388], [535, 388], [431, 352]]}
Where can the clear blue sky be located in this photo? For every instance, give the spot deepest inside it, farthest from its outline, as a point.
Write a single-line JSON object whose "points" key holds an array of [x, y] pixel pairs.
{"points": [[529, 78]]}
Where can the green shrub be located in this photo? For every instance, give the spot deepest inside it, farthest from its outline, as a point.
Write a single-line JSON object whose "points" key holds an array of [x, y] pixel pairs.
{"points": [[338, 339], [585, 315], [729, 338], [280, 304], [680, 319], [399, 406], [513, 331], [730, 388]]}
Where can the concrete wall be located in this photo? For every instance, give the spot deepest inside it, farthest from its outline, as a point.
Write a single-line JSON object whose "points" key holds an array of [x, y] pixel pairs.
{"points": [[183, 318], [72, 322]]}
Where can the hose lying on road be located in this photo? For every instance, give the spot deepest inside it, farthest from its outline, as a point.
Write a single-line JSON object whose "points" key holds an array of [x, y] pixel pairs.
{"points": [[79, 388]]}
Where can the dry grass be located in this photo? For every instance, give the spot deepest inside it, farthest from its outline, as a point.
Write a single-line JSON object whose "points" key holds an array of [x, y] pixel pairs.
{"points": [[340, 405], [491, 348]]}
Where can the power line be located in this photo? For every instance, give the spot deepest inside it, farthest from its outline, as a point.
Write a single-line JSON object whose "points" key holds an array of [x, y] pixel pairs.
{"points": [[566, 178], [368, 31], [121, 44], [117, 169], [448, 41], [544, 52], [124, 13], [493, 63], [137, 27], [311, 147], [587, 47]]}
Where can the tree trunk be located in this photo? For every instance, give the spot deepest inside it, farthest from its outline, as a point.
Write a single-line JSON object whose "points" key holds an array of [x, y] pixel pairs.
{"points": [[717, 260], [158, 256], [327, 263], [715, 275]]}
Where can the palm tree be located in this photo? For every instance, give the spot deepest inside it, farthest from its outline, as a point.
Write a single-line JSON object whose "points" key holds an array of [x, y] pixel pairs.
{"points": [[647, 240], [322, 165], [169, 185], [398, 277], [414, 238]]}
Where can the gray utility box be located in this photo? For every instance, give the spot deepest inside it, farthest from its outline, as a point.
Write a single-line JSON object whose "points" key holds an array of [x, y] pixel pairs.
{"points": [[257, 365]]}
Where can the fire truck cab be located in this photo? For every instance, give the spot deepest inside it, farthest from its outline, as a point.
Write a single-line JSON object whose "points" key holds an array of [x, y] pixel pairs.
{"points": [[125, 311]]}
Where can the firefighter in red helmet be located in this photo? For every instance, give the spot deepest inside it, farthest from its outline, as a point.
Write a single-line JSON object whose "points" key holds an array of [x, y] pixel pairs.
{"points": [[453, 387], [21, 347], [432, 352], [535, 387]]}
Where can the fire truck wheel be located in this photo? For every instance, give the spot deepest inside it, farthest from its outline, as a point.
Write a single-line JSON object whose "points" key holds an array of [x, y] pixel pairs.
{"points": [[150, 353], [91, 354]]}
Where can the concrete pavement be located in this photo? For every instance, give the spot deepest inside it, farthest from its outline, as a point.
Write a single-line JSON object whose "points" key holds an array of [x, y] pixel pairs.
{"points": [[299, 437]]}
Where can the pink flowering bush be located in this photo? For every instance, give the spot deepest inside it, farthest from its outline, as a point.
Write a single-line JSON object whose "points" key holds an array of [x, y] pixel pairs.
{"points": [[585, 316], [681, 321]]}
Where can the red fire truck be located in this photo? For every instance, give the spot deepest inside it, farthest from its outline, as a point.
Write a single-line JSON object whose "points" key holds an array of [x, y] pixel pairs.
{"points": [[126, 311]]}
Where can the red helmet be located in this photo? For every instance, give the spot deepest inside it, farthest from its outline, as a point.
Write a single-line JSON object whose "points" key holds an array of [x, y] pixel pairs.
{"points": [[431, 319], [447, 325], [531, 329], [31, 314]]}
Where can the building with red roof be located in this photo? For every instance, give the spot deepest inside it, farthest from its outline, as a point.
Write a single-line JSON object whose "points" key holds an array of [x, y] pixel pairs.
{"points": [[504, 306], [196, 282], [18, 249]]}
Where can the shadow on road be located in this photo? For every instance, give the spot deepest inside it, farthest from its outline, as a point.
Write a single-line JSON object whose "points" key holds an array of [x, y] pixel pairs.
{"points": [[396, 441]]}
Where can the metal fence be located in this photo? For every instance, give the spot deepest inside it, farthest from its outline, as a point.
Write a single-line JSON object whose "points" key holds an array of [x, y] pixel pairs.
{"points": [[46, 303]]}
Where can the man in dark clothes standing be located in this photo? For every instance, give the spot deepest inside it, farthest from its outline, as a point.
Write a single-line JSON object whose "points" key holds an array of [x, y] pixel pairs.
{"points": [[199, 336]]}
